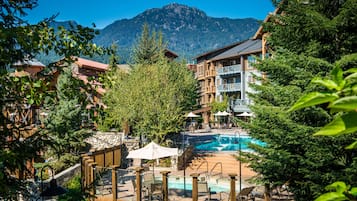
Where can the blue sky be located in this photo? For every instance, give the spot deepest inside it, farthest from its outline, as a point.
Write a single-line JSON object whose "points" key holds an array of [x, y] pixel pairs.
{"points": [[105, 12]]}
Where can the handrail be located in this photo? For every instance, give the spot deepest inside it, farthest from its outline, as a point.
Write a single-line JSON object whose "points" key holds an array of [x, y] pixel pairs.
{"points": [[218, 163], [201, 165]]}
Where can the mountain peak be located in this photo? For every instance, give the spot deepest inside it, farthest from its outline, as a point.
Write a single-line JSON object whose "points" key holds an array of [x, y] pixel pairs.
{"points": [[183, 9], [187, 30]]}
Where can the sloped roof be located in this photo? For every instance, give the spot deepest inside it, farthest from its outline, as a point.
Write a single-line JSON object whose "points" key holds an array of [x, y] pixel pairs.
{"points": [[218, 50], [259, 32], [28, 62], [247, 47], [85, 63], [170, 54]]}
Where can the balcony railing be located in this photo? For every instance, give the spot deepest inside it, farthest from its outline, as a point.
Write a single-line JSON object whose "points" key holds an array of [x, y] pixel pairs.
{"points": [[210, 89], [229, 87], [241, 105], [229, 70], [210, 73]]}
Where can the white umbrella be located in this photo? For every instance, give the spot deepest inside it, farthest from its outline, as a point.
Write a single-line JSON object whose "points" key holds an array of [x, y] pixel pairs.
{"points": [[191, 114], [219, 113], [152, 151], [245, 114], [225, 113]]}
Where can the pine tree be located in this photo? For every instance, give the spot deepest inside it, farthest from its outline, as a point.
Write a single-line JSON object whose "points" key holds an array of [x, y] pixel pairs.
{"points": [[64, 121], [149, 47], [306, 39]]}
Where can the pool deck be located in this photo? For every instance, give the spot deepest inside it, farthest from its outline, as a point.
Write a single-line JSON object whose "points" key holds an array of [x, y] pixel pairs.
{"points": [[231, 131], [126, 191]]}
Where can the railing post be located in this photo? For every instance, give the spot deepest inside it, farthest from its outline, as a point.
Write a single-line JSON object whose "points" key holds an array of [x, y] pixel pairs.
{"points": [[194, 186], [87, 172], [92, 173], [233, 186], [90, 177], [267, 196], [165, 185], [84, 158], [138, 183], [114, 182]]}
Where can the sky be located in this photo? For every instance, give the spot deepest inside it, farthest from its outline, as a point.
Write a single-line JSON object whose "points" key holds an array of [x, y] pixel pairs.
{"points": [[105, 12]]}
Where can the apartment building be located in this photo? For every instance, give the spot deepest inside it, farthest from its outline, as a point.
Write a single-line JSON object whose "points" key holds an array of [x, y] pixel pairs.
{"points": [[230, 71], [205, 73]]}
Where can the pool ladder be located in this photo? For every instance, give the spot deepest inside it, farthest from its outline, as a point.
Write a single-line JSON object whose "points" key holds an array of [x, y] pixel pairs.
{"points": [[206, 172], [220, 173]]}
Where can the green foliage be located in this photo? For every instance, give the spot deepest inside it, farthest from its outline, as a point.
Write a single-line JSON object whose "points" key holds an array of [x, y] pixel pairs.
{"points": [[153, 98], [322, 29], [74, 190], [305, 162], [219, 106], [64, 121], [341, 97], [20, 40], [149, 47], [344, 102], [307, 41]]}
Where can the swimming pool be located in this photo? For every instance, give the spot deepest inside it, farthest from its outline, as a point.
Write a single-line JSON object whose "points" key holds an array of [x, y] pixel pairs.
{"points": [[221, 185], [221, 142]]}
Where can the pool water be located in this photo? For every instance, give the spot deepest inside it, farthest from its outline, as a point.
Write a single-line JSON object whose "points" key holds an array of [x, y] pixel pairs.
{"points": [[219, 186], [223, 142]]}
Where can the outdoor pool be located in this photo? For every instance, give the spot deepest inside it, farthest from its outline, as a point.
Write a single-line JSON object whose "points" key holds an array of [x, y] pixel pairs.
{"points": [[216, 185], [221, 142]]}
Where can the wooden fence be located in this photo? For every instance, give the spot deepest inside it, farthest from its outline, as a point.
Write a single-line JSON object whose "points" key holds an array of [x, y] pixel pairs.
{"points": [[103, 158]]}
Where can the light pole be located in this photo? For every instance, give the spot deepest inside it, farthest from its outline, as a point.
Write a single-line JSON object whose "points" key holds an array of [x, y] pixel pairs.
{"points": [[240, 163], [184, 163], [53, 189]]}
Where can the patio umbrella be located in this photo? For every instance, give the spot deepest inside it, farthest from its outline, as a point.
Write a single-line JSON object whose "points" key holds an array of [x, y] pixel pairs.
{"points": [[225, 113], [191, 115], [153, 151], [245, 114], [219, 113]]}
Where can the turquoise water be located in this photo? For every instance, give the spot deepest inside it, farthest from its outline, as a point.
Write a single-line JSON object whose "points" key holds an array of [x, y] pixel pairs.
{"points": [[215, 187], [223, 143]]}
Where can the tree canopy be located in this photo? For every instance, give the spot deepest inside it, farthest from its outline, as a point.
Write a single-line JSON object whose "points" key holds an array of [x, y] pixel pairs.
{"points": [[20, 40], [306, 39], [153, 97]]}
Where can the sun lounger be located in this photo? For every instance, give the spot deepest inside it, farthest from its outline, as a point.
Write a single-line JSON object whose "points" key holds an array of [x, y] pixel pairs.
{"points": [[246, 194]]}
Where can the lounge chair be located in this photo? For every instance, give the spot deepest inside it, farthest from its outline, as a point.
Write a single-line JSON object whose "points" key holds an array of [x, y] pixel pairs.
{"points": [[246, 194]]}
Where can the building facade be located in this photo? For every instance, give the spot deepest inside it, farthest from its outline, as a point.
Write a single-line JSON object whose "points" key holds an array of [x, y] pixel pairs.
{"points": [[229, 71]]}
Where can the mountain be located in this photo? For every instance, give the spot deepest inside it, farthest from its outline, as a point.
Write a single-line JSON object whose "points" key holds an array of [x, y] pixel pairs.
{"points": [[188, 31]]}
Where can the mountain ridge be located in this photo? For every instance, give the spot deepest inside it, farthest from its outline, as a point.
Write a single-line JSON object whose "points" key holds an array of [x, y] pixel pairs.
{"points": [[187, 30]]}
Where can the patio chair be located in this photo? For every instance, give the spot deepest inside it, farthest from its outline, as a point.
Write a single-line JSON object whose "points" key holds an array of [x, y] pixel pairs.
{"points": [[203, 189], [156, 191], [149, 176], [246, 194]]}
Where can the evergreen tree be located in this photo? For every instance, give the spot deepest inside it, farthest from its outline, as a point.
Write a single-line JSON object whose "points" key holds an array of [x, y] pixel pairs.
{"points": [[307, 41], [149, 47], [19, 40], [64, 121]]}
